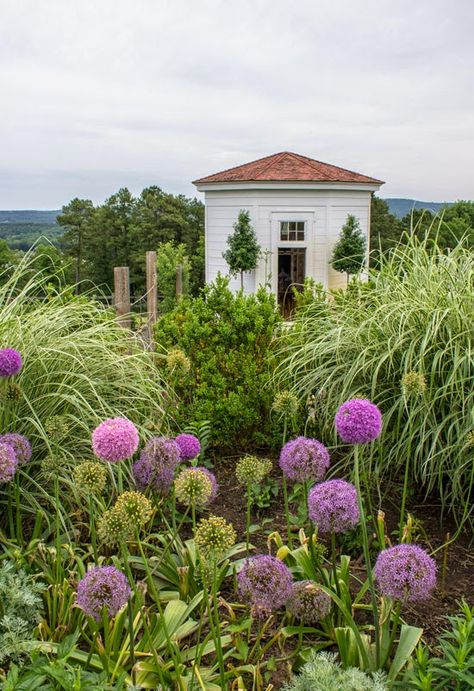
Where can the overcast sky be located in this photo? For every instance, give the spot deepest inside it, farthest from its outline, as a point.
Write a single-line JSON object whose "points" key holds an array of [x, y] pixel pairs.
{"points": [[101, 94]]}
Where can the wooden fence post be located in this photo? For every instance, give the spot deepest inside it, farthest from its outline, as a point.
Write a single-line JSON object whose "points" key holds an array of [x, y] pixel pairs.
{"points": [[151, 293], [179, 281], [122, 295]]}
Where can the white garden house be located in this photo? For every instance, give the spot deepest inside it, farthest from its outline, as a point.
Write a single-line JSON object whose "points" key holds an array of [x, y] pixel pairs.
{"points": [[297, 207]]}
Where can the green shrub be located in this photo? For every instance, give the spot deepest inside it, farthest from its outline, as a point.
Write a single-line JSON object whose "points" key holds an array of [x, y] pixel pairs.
{"points": [[227, 337], [415, 316], [324, 673]]}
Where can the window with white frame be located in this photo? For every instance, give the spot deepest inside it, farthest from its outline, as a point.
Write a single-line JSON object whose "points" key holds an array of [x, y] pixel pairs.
{"points": [[292, 231]]}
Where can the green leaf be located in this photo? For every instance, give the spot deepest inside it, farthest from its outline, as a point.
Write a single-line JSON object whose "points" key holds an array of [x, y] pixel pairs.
{"points": [[409, 638]]}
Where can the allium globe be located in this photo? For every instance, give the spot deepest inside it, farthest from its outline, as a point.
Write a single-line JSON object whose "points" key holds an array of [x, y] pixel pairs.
{"points": [[195, 487], [308, 603], [113, 527], [358, 421], [333, 507], [115, 440], [90, 477], [304, 459], [10, 362], [252, 469], [405, 572], [8, 463], [20, 445], [189, 446], [214, 536], [135, 507], [103, 587], [265, 583], [156, 465]]}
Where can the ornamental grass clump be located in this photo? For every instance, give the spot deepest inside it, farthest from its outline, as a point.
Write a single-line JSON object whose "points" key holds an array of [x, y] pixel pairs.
{"points": [[195, 487], [90, 477], [189, 446], [115, 439], [20, 445], [333, 506], [104, 589], [265, 583], [406, 573], [304, 460], [10, 362], [8, 463], [155, 468], [415, 314], [308, 603]]}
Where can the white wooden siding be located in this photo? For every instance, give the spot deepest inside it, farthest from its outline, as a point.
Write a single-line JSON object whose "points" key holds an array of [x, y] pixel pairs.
{"points": [[325, 212]]}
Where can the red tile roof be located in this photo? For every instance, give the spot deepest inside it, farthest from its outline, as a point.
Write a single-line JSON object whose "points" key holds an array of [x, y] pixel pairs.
{"points": [[288, 167]]}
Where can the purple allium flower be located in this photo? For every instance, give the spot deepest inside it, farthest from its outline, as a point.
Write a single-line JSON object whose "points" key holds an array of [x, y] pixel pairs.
{"points": [[265, 583], [8, 462], [405, 572], [20, 445], [303, 459], [103, 586], [189, 446], [115, 439], [10, 362], [308, 603], [156, 465], [358, 421], [332, 506]]}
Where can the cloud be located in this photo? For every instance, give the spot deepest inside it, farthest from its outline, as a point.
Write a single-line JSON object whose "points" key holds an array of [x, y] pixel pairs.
{"points": [[98, 95]]}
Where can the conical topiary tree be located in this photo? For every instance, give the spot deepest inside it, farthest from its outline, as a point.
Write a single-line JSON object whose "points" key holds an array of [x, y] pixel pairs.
{"points": [[244, 250], [348, 254]]}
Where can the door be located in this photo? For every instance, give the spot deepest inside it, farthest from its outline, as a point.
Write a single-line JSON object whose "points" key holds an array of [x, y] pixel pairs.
{"points": [[291, 274]]}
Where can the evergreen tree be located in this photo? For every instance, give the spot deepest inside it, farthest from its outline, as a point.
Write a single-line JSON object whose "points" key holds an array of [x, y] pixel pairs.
{"points": [[244, 250], [75, 218], [349, 251]]}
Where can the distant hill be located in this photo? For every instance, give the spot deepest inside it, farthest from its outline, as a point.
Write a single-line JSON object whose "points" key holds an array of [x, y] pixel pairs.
{"points": [[29, 216], [22, 227], [402, 207]]}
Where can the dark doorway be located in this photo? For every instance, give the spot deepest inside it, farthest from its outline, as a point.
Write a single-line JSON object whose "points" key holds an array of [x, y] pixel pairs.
{"points": [[291, 272]]}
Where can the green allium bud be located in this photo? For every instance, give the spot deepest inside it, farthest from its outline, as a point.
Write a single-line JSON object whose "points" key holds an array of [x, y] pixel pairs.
{"points": [[470, 439], [90, 477], [193, 487], [57, 427], [413, 384], [285, 403], [252, 470], [135, 507], [178, 362], [214, 536], [114, 527], [51, 466], [12, 392]]}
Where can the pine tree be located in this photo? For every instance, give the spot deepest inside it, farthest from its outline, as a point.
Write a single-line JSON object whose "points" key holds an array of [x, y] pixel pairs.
{"points": [[244, 250], [349, 251]]}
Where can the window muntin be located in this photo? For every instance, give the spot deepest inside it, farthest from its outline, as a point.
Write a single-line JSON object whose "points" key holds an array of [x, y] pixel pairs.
{"points": [[292, 231]]}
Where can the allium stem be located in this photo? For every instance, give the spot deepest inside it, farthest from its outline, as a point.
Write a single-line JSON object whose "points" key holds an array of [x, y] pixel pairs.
{"points": [[334, 562], [287, 511], [404, 491], [19, 527], [92, 528], [368, 566], [247, 523]]}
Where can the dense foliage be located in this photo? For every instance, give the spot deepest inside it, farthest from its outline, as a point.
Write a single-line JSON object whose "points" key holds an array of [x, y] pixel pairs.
{"points": [[227, 338], [120, 231], [349, 252], [243, 251], [405, 341]]}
